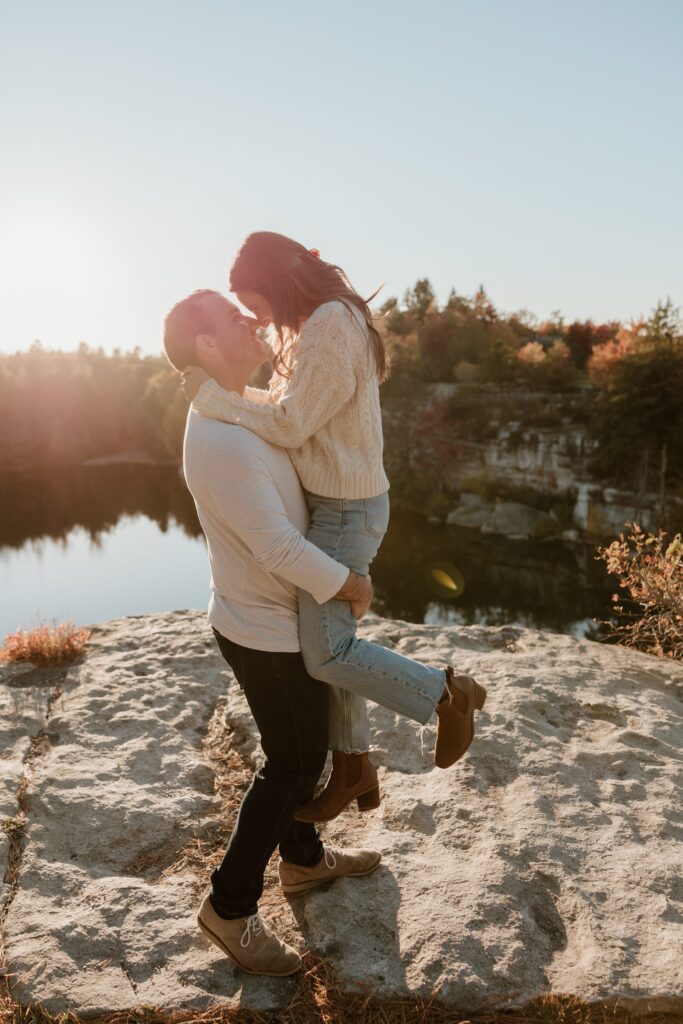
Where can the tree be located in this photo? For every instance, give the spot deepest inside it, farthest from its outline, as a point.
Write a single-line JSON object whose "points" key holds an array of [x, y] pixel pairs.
{"points": [[638, 412], [500, 363], [420, 300], [664, 326], [166, 409], [559, 369], [483, 308]]}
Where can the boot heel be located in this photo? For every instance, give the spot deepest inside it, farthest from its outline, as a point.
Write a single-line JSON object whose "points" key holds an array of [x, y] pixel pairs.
{"points": [[368, 801], [479, 696]]}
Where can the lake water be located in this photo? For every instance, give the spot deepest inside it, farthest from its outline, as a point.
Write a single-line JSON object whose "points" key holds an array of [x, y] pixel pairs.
{"points": [[98, 542]]}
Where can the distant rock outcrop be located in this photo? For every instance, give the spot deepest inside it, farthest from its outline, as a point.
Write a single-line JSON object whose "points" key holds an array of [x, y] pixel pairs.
{"points": [[548, 860], [510, 518]]}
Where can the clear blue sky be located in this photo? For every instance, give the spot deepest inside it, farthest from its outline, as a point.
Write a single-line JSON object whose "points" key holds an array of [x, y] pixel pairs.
{"points": [[531, 145]]}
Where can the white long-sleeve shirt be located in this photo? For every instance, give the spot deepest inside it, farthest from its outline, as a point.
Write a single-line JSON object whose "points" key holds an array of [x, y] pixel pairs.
{"points": [[253, 513], [328, 413]]}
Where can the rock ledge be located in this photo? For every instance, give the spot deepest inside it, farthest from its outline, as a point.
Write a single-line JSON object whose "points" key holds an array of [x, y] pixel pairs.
{"points": [[548, 860]]}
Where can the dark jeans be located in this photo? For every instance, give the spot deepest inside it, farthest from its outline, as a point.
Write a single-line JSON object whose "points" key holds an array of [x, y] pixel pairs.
{"points": [[291, 712]]}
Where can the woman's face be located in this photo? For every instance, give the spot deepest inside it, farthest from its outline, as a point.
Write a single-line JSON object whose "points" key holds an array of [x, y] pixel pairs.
{"points": [[258, 305]]}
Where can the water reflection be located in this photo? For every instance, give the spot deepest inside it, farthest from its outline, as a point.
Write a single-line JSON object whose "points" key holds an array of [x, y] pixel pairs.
{"points": [[127, 543], [34, 506], [543, 585]]}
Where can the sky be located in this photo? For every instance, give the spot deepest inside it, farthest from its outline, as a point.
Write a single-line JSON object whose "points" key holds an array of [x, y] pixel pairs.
{"points": [[532, 146]]}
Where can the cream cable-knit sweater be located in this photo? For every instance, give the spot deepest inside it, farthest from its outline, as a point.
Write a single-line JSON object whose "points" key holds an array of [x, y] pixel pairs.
{"points": [[327, 414]]}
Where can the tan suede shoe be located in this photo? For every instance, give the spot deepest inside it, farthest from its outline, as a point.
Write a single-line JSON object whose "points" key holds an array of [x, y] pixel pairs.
{"points": [[335, 863], [248, 942], [455, 729]]}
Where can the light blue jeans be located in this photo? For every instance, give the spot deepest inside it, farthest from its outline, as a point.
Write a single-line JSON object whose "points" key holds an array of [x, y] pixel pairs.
{"points": [[351, 531]]}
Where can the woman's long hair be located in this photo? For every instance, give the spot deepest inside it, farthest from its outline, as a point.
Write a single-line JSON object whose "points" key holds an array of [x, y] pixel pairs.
{"points": [[295, 281]]}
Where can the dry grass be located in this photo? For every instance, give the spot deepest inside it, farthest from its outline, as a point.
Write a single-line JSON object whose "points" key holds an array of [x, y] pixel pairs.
{"points": [[318, 997], [46, 645], [232, 776], [649, 568], [15, 829]]}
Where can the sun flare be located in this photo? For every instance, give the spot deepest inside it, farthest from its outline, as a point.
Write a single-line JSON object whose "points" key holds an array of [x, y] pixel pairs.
{"points": [[49, 262]]}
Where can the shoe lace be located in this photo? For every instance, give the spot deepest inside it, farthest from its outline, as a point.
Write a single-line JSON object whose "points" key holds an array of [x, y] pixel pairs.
{"points": [[255, 925], [429, 730], [330, 859]]}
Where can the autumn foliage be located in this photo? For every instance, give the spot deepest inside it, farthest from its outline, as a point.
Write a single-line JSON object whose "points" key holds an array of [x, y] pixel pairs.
{"points": [[650, 572], [622, 382], [605, 358]]}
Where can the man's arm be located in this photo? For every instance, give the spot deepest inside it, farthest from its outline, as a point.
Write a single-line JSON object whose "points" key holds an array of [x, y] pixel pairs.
{"points": [[244, 493]]}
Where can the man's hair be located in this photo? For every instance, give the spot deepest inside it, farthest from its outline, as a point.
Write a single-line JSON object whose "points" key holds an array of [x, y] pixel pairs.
{"points": [[183, 323]]}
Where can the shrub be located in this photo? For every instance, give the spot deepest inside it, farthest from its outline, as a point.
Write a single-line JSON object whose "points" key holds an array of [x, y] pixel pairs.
{"points": [[605, 358], [545, 416], [470, 414], [558, 364], [650, 570], [531, 354], [46, 645], [466, 372], [582, 339], [551, 367]]}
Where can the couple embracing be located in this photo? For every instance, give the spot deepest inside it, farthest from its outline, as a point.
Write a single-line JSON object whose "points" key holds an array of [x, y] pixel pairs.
{"points": [[293, 500]]}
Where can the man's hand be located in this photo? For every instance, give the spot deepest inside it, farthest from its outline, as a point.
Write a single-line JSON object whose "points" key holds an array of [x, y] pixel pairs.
{"points": [[360, 608], [358, 592], [193, 377]]}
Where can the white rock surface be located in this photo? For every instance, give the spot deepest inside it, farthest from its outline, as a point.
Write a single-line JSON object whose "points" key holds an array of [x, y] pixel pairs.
{"points": [[23, 708], [472, 511], [508, 518], [548, 860]]}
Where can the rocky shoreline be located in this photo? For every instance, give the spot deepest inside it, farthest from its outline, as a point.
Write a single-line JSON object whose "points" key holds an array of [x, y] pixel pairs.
{"points": [[507, 475], [548, 860]]}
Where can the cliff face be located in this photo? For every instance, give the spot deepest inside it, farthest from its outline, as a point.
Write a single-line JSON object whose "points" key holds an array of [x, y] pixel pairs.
{"points": [[548, 860], [545, 467]]}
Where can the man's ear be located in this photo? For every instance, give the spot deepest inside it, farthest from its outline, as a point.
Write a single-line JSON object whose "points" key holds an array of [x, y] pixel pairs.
{"points": [[205, 344]]}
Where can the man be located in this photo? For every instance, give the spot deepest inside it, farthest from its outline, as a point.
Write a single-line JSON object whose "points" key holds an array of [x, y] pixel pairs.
{"points": [[253, 514]]}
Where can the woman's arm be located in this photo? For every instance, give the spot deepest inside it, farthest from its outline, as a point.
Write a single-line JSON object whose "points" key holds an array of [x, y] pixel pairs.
{"points": [[323, 380], [259, 395], [194, 376]]}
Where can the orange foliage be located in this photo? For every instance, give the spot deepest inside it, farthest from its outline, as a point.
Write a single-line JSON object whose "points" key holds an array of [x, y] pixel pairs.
{"points": [[650, 570], [605, 358], [531, 354]]}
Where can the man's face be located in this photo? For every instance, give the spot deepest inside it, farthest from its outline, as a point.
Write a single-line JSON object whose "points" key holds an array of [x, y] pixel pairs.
{"points": [[233, 336]]}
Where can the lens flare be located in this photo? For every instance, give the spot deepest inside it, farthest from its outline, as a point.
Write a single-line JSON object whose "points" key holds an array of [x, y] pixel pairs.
{"points": [[445, 581]]}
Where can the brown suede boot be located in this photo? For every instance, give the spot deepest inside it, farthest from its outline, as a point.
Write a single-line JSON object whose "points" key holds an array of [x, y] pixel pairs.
{"points": [[455, 730], [354, 777]]}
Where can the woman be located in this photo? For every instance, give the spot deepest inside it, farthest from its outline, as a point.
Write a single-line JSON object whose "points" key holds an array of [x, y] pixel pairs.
{"points": [[323, 405]]}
